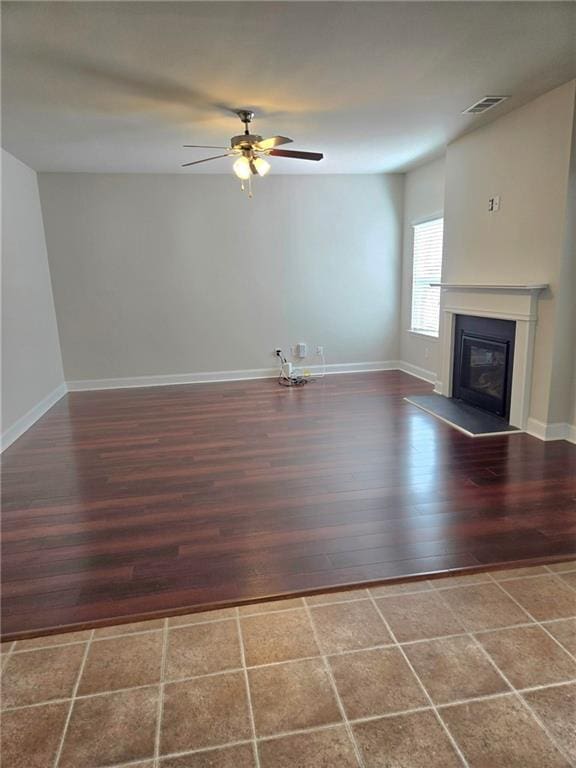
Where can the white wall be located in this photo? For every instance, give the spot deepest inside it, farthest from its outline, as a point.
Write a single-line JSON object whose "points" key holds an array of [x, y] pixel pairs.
{"points": [[423, 199], [524, 157], [562, 406], [31, 360], [170, 274]]}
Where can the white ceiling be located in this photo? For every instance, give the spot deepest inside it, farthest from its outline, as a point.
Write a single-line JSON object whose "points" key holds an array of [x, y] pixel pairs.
{"points": [[378, 87]]}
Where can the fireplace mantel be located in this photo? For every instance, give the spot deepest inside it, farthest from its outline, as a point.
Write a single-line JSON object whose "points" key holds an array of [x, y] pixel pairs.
{"points": [[517, 302]]}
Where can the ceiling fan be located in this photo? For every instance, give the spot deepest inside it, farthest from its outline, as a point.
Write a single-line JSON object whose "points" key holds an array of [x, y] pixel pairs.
{"points": [[251, 151]]}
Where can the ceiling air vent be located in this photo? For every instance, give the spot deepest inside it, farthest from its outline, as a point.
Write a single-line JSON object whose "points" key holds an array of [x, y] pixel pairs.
{"points": [[484, 104]]}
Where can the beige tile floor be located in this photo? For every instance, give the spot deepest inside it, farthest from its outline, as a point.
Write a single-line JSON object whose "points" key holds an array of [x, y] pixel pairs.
{"points": [[476, 671]]}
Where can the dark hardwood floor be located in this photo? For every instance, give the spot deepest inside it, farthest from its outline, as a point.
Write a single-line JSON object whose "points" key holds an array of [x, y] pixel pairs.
{"points": [[122, 504]]}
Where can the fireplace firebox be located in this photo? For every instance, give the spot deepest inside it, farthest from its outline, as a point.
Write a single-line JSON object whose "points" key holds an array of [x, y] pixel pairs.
{"points": [[483, 359]]}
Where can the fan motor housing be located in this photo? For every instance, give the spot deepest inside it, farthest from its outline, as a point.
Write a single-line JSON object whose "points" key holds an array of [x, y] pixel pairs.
{"points": [[244, 140]]}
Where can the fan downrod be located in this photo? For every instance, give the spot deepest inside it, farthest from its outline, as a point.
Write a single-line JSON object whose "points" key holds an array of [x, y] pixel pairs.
{"points": [[246, 116]]}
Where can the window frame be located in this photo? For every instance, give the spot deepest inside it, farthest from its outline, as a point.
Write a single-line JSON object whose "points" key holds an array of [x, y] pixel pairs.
{"points": [[430, 335]]}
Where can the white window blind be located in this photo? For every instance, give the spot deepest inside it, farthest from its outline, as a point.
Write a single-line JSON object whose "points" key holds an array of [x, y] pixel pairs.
{"points": [[426, 269]]}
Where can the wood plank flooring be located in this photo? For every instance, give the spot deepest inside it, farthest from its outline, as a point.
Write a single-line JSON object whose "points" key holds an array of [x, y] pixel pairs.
{"points": [[128, 503]]}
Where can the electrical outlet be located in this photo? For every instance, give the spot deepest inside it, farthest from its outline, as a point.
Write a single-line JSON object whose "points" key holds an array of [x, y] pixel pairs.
{"points": [[277, 352], [319, 350], [301, 350]]}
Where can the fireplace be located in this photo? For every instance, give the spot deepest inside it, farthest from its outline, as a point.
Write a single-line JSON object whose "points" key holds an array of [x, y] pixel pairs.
{"points": [[483, 362], [516, 303]]}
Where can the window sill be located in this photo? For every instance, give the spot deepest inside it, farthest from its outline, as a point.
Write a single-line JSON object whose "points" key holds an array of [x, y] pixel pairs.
{"points": [[425, 334]]}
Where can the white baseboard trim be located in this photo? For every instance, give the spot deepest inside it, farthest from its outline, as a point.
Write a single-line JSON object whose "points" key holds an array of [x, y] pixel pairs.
{"points": [[438, 387], [83, 385], [551, 431], [419, 373], [214, 376], [31, 417], [383, 365]]}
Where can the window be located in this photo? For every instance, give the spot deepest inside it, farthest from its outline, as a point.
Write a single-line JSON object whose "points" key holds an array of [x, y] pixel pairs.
{"points": [[426, 269]]}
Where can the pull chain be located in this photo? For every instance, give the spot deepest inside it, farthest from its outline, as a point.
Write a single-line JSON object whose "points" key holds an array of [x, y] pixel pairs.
{"points": [[243, 186]]}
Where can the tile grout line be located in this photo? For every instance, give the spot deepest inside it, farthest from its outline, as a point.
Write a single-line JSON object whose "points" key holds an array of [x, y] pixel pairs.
{"points": [[132, 764], [532, 688], [6, 656], [203, 750], [500, 695], [452, 740], [160, 707], [80, 642], [332, 681], [72, 699], [557, 621], [267, 613], [248, 690], [464, 632], [242, 742], [99, 694]]}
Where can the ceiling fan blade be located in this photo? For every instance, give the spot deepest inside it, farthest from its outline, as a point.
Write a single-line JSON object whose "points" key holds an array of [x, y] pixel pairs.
{"points": [[203, 146], [295, 153], [196, 162], [274, 141]]}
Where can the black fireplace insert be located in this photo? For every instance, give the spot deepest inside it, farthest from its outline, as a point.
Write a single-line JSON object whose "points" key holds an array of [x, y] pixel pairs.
{"points": [[483, 360]]}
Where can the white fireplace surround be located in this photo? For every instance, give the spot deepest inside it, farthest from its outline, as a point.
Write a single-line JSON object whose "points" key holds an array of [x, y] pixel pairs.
{"points": [[504, 302]]}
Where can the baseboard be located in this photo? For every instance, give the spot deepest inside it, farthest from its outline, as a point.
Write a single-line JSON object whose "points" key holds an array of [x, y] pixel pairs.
{"points": [[383, 365], [551, 431], [214, 376], [170, 379], [419, 373], [31, 417]]}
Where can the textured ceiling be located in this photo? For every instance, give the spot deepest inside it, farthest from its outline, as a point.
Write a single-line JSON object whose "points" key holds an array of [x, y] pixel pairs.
{"points": [[120, 86]]}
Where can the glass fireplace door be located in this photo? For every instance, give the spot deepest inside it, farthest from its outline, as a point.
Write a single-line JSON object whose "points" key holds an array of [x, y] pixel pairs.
{"points": [[484, 373], [483, 361]]}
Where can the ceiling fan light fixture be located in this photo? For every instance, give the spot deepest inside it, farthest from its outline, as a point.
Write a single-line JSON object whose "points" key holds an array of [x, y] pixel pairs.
{"points": [[250, 151], [242, 168], [262, 166]]}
